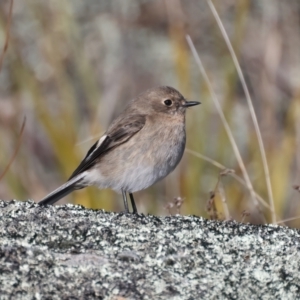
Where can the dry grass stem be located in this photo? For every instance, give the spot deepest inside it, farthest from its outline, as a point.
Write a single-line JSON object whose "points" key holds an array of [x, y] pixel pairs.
{"points": [[211, 206], [288, 220], [236, 177], [7, 34], [245, 214], [16, 150], [224, 201], [90, 139], [251, 108], [225, 123], [227, 172]]}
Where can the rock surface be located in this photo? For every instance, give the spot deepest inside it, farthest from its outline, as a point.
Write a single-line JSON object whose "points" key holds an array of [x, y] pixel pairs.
{"points": [[69, 252]]}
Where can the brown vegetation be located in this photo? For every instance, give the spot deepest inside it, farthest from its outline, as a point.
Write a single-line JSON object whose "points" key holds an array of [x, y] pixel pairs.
{"points": [[71, 66]]}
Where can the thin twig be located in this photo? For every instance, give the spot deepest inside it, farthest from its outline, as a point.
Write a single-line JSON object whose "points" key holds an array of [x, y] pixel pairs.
{"points": [[251, 108], [225, 124], [245, 214], [89, 139], [236, 177], [288, 220], [224, 201], [211, 206], [5, 47], [16, 150]]}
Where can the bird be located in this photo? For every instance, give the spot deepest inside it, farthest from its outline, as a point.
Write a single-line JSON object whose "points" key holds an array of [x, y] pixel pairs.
{"points": [[140, 147]]}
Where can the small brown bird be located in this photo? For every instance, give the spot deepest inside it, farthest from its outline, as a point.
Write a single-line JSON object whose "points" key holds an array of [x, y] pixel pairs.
{"points": [[141, 146]]}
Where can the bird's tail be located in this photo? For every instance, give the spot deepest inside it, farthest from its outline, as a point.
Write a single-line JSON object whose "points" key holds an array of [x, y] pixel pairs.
{"points": [[62, 191]]}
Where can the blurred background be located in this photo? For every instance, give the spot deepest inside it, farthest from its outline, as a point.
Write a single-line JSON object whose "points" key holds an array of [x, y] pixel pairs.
{"points": [[72, 66]]}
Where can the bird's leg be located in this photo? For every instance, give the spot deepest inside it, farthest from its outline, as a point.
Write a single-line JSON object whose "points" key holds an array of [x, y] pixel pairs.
{"points": [[125, 201], [134, 210]]}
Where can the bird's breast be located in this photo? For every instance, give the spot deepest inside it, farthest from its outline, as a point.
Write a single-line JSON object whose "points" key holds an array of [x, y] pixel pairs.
{"points": [[161, 148], [148, 156]]}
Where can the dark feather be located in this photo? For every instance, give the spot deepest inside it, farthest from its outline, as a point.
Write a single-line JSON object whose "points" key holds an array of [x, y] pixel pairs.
{"points": [[120, 132], [91, 157], [62, 191]]}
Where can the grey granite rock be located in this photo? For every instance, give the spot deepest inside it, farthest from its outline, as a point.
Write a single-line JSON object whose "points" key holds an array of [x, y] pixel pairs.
{"points": [[69, 252]]}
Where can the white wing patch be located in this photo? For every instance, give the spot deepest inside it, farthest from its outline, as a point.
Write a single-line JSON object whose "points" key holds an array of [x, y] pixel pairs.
{"points": [[101, 141]]}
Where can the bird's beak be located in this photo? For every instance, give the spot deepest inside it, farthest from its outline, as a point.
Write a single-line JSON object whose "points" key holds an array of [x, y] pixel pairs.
{"points": [[190, 103]]}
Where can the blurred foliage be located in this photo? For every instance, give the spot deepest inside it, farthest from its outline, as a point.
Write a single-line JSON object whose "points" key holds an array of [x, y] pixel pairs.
{"points": [[72, 66]]}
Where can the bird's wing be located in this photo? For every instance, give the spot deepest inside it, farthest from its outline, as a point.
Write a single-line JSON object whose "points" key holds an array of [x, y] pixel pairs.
{"points": [[117, 134]]}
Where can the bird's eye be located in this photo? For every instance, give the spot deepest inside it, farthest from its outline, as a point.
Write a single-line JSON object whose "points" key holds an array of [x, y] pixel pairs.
{"points": [[168, 102]]}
